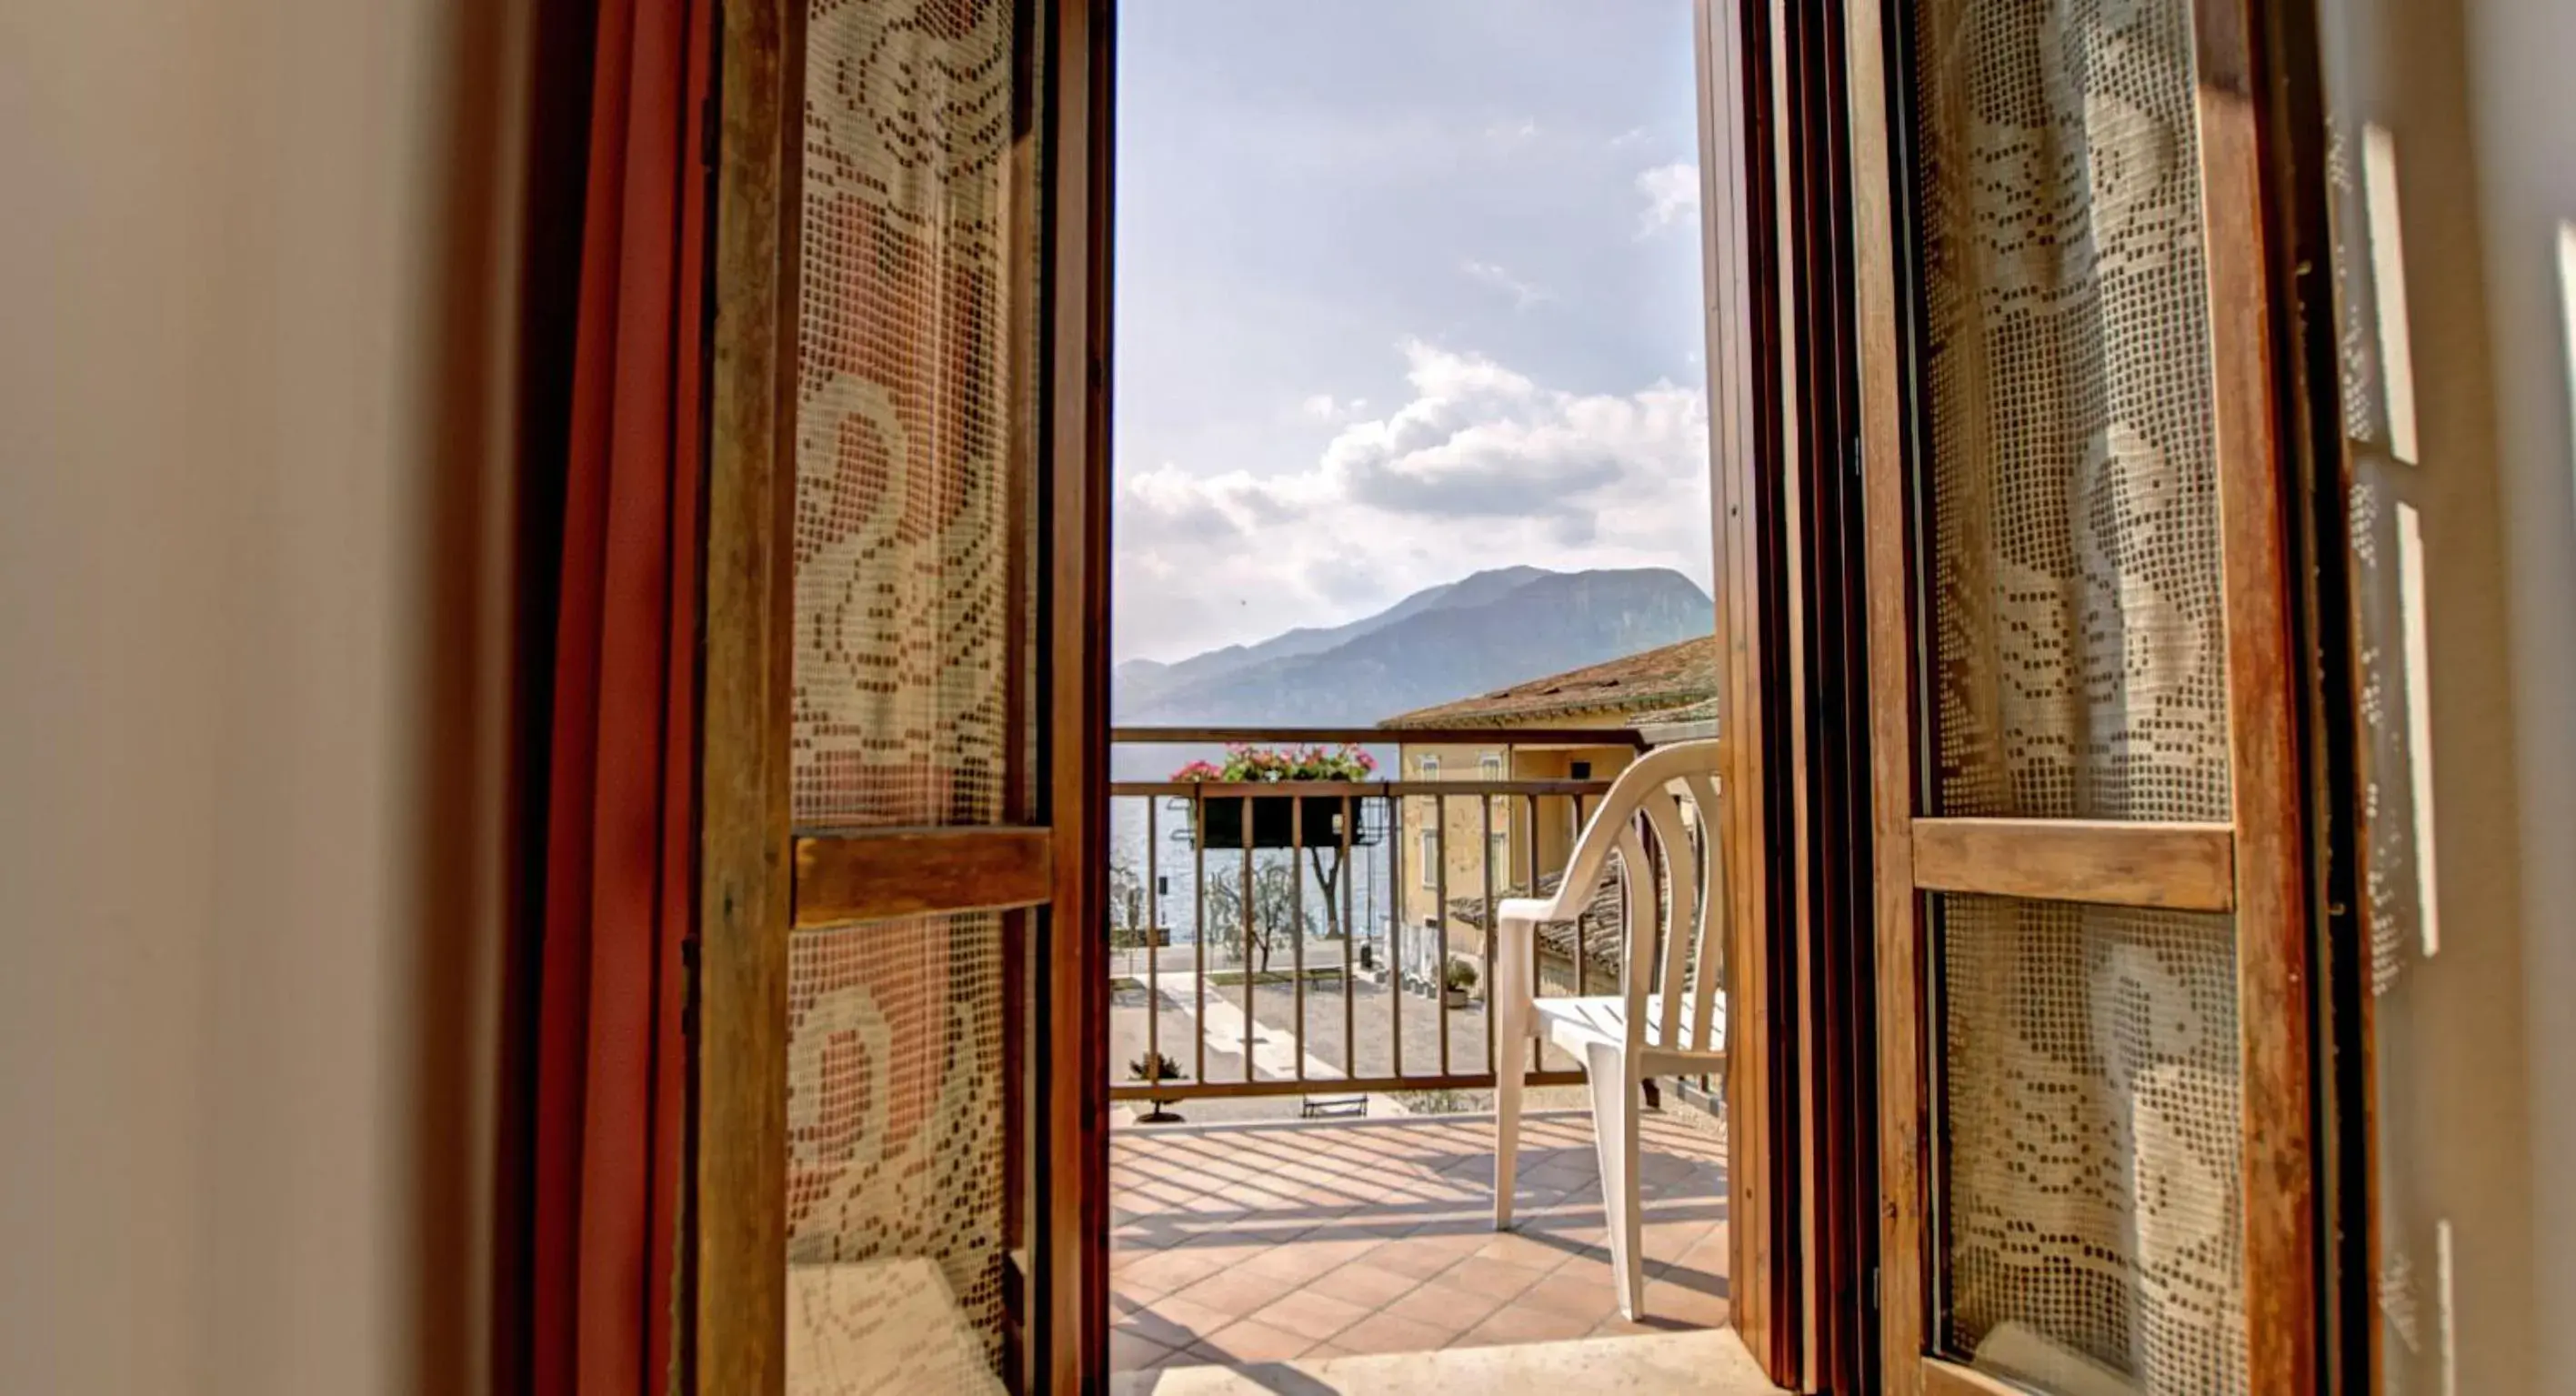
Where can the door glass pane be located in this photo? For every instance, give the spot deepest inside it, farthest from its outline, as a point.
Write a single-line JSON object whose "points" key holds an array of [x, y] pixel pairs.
{"points": [[2079, 661], [2091, 1203], [916, 380], [2088, 1191], [914, 694], [897, 1160]]}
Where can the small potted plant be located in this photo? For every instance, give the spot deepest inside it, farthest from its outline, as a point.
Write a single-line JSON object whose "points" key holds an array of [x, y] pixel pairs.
{"points": [[1458, 983], [1150, 1069], [1279, 821]]}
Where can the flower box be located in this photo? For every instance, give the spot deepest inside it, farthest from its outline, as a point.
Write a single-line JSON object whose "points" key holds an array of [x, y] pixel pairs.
{"points": [[1287, 820], [1277, 822]]}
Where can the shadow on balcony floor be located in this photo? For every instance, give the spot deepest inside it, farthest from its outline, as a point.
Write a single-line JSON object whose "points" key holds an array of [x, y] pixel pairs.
{"points": [[1708, 1361], [1309, 1241]]}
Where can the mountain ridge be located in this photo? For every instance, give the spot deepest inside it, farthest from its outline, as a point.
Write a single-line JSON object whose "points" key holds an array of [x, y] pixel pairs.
{"points": [[1138, 679], [1484, 631]]}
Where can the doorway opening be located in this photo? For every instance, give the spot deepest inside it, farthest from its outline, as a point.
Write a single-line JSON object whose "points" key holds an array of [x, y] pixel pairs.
{"points": [[1411, 559]]}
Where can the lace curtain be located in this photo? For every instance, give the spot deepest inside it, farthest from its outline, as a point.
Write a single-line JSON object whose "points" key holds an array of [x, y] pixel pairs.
{"points": [[915, 384], [2091, 1204]]}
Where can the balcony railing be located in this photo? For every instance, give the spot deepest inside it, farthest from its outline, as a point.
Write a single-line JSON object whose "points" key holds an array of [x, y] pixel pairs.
{"points": [[1304, 938]]}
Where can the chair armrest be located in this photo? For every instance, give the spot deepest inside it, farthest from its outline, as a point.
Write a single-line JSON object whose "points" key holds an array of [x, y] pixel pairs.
{"points": [[1516, 926], [1529, 911], [1516, 922]]}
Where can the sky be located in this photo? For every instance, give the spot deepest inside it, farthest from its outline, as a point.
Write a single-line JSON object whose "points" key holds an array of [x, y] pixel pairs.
{"points": [[1406, 289]]}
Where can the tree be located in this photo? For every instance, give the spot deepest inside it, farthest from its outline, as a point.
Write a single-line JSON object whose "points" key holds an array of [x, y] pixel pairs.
{"points": [[1131, 902], [1245, 764], [1277, 919], [1328, 875]]}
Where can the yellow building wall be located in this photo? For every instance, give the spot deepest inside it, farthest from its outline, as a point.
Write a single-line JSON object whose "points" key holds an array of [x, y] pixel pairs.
{"points": [[1517, 830], [1462, 835], [1558, 823]]}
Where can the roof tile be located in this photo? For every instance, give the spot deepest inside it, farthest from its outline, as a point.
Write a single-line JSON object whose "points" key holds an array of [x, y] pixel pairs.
{"points": [[1673, 677]]}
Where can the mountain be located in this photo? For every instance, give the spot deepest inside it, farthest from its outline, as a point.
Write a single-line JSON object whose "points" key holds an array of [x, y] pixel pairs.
{"points": [[1142, 681], [1471, 636]]}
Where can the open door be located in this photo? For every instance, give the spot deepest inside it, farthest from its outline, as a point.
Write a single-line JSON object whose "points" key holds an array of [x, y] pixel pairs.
{"points": [[1770, 1284], [898, 1084], [2093, 954]]}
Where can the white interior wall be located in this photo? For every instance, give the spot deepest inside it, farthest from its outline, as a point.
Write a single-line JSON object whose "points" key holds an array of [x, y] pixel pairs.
{"points": [[2479, 1111], [2523, 115], [245, 398]]}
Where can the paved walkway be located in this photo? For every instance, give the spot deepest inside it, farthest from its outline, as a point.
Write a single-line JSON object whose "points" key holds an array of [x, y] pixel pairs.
{"points": [[1274, 1050]]}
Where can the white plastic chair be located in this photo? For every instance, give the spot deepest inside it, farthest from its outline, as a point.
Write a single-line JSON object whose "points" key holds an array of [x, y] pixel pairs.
{"points": [[1664, 1021]]}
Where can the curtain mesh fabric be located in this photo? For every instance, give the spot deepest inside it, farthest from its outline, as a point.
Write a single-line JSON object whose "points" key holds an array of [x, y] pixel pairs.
{"points": [[2091, 1203], [915, 392], [2080, 663], [895, 1155], [2090, 1108], [907, 389]]}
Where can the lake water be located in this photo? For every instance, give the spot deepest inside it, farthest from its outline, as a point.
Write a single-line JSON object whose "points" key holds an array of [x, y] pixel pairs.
{"points": [[1173, 885]]}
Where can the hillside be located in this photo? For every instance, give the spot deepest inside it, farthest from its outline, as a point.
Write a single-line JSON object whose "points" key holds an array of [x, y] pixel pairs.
{"points": [[1480, 633], [1139, 682]]}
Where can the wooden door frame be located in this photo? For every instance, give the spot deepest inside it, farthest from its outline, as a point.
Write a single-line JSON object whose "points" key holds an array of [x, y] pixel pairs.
{"points": [[1740, 270], [737, 1204], [2288, 861], [2292, 145], [748, 853], [1790, 533], [1071, 1331], [1838, 1138]]}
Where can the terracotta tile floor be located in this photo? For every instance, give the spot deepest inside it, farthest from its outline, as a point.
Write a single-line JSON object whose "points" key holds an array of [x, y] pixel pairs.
{"points": [[1239, 1244]]}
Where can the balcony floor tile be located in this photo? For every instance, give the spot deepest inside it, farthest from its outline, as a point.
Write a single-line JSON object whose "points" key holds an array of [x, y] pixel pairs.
{"points": [[1305, 1240]]}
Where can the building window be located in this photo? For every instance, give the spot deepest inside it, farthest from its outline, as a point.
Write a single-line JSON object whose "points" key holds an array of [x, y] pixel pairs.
{"points": [[1430, 859], [1579, 770], [1430, 767], [1490, 765]]}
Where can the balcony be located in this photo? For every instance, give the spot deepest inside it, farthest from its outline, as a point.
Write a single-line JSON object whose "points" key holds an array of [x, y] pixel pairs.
{"points": [[1301, 1160], [1308, 1240]]}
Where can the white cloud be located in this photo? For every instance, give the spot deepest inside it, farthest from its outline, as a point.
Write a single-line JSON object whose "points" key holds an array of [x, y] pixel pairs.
{"points": [[1321, 407], [1671, 191], [1632, 136], [1512, 132], [1523, 294], [1481, 467]]}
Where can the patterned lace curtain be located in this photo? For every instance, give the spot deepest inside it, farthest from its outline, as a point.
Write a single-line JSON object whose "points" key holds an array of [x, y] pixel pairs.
{"points": [[2091, 1204], [915, 384]]}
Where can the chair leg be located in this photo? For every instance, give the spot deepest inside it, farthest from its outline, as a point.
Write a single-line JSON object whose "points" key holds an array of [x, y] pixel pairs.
{"points": [[1511, 1046], [1614, 1134]]}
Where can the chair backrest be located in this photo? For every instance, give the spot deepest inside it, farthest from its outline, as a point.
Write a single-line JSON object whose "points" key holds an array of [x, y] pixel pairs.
{"points": [[1689, 925]]}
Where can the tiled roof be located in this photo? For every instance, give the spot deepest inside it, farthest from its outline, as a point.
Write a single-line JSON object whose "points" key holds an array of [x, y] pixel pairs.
{"points": [[1595, 929], [1705, 710], [1676, 677]]}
